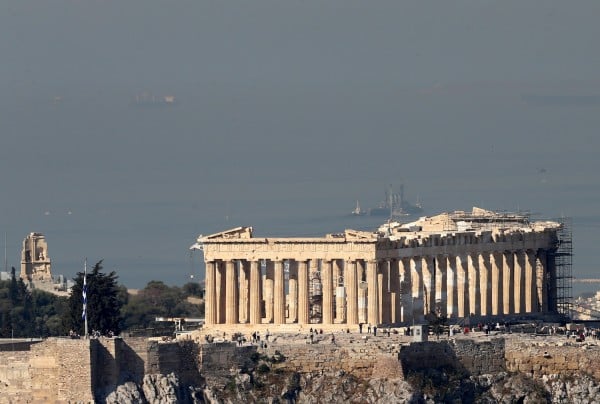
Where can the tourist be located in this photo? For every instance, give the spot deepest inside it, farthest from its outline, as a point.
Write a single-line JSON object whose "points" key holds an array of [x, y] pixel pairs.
{"points": [[332, 339], [375, 330], [360, 328], [369, 328]]}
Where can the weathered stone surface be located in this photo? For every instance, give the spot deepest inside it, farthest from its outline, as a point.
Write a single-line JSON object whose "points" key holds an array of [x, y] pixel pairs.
{"points": [[510, 369]]}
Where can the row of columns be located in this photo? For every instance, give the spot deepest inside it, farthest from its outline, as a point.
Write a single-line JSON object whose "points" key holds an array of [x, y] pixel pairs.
{"points": [[384, 291]]}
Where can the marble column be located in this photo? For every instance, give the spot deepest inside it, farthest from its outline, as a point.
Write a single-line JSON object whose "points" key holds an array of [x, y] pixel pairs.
{"points": [[530, 284], [268, 291], [416, 276], [243, 288], [428, 284], [507, 282], [395, 293], [220, 281], [293, 292], [372, 295], [405, 290], [452, 302], [210, 294], [255, 292], [474, 289], [362, 291], [351, 285], [485, 284], [382, 294], [327, 280], [519, 282], [462, 286], [441, 293], [278, 294], [231, 310], [496, 262], [303, 306]]}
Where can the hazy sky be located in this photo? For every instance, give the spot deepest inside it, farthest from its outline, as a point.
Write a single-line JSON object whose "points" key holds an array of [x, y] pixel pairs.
{"points": [[288, 112]]}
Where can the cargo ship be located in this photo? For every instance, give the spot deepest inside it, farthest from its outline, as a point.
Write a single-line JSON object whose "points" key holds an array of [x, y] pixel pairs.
{"points": [[146, 99], [395, 205]]}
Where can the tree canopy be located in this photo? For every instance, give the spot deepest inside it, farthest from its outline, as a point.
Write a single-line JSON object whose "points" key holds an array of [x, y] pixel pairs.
{"points": [[27, 313], [104, 302], [36, 313], [160, 300]]}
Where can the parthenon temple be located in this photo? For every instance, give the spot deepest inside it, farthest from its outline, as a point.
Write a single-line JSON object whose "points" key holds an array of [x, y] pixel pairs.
{"points": [[458, 264]]}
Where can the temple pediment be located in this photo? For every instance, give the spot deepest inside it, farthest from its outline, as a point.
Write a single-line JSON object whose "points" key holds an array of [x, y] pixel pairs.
{"points": [[354, 234], [235, 233]]}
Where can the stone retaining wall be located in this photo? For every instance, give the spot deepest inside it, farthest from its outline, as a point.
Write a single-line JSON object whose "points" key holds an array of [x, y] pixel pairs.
{"points": [[474, 357], [358, 358], [62, 370], [540, 358], [53, 371]]}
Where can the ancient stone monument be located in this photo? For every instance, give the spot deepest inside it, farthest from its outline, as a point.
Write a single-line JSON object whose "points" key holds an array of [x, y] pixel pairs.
{"points": [[457, 264], [35, 262]]}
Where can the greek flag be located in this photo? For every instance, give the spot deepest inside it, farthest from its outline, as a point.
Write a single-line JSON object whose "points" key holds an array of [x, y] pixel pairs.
{"points": [[84, 294]]}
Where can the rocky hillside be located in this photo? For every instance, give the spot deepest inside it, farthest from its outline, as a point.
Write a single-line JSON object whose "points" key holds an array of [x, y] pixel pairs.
{"points": [[260, 380]]}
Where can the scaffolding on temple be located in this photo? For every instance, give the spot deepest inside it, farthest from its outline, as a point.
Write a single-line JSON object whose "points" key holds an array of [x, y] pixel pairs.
{"points": [[563, 261]]}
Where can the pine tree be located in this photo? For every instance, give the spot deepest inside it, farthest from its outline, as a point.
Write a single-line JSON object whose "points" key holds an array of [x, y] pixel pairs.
{"points": [[103, 304]]}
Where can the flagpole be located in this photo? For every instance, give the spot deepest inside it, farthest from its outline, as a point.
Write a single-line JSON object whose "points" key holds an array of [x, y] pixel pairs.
{"points": [[85, 298]]}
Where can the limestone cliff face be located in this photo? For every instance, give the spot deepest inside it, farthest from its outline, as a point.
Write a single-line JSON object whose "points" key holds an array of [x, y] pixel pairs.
{"points": [[435, 387], [355, 370]]}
